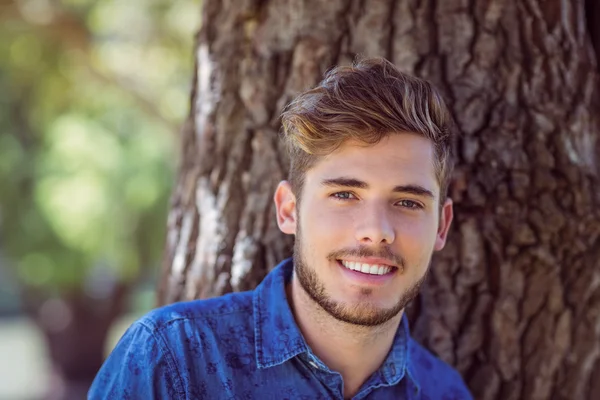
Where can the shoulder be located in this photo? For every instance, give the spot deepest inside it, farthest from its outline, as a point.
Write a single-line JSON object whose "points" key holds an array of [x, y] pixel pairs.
{"points": [[219, 309], [436, 378], [204, 330], [163, 353]]}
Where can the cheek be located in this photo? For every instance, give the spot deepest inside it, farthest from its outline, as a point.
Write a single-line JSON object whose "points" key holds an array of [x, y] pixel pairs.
{"points": [[417, 238], [323, 229], [322, 220]]}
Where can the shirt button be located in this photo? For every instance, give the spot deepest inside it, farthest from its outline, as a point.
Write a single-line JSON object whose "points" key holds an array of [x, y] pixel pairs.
{"points": [[313, 364]]}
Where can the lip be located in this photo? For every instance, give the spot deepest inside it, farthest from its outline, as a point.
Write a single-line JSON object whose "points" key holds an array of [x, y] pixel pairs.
{"points": [[366, 279]]}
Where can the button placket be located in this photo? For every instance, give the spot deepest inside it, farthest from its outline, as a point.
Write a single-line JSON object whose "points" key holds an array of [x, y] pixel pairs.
{"points": [[311, 362]]}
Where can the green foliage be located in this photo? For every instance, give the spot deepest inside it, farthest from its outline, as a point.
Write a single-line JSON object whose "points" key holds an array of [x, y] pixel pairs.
{"points": [[92, 94]]}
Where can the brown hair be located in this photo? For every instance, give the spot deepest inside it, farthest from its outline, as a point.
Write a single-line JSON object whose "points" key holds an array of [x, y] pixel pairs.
{"points": [[366, 102]]}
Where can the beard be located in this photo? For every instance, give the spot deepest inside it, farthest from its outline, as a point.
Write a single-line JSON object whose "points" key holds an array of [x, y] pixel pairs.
{"points": [[363, 313]]}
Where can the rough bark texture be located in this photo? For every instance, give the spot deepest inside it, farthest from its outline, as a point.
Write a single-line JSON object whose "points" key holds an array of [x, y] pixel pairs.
{"points": [[514, 300]]}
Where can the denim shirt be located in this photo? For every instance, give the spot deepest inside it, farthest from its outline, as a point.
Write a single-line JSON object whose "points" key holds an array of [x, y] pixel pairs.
{"points": [[248, 346]]}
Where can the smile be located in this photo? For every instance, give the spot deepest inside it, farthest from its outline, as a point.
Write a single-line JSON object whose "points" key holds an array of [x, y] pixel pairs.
{"points": [[371, 269]]}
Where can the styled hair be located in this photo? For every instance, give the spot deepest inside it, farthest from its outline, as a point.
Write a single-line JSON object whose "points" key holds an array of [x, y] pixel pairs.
{"points": [[366, 102]]}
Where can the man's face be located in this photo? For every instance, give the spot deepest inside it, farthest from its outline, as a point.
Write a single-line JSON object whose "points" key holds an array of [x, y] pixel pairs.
{"points": [[366, 227]]}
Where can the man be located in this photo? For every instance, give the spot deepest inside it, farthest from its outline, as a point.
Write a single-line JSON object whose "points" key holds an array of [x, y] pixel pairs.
{"points": [[370, 151]]}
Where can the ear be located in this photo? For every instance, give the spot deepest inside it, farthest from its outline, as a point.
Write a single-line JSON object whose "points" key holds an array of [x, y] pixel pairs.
{"points": [[446, 216], [285, 203]]}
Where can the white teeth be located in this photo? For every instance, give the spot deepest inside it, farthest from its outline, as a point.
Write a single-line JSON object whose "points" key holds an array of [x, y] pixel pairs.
{"points": [[367, 268]]}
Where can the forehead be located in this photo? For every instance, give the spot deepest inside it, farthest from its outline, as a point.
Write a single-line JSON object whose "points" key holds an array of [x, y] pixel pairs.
{"points": [[402, 158]]}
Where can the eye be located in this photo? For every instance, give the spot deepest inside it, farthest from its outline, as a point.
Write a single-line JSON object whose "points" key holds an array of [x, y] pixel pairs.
{"points": [[413, 205], [343, 196]]}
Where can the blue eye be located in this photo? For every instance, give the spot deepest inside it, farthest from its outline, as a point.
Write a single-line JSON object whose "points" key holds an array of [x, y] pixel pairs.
{"points": [[409, 204], [343, 195]]}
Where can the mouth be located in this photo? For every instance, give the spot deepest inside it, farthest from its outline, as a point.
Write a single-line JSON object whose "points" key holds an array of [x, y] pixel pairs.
{"points": [[367, 268]]}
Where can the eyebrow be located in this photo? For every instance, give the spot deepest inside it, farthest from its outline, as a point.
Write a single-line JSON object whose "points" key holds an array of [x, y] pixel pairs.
{"points": [[416, 190]]}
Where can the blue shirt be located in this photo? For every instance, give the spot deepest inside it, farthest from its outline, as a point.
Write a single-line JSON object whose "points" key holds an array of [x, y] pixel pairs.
{"points": [[248, 346]]}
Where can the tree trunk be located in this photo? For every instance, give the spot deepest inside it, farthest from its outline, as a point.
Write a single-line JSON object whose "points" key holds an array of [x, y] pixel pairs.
{"points": [[514, 300]]}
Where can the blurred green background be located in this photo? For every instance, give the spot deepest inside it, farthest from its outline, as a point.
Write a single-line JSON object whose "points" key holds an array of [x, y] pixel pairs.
{"points": [[92, 97]]}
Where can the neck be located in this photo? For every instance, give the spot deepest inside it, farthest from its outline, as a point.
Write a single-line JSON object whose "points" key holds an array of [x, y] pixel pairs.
{"points": [[354, 351]]}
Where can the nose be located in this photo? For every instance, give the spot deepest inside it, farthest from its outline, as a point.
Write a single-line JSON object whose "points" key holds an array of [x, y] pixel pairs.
{"points": [[374, 226]]}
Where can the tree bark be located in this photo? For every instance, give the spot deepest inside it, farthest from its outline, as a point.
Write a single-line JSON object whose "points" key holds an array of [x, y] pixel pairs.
{"points": [[514, 300]]}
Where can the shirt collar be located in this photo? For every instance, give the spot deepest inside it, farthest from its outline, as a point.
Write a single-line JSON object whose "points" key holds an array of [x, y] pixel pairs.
{"points": [[278, 339], [398, 362]]}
